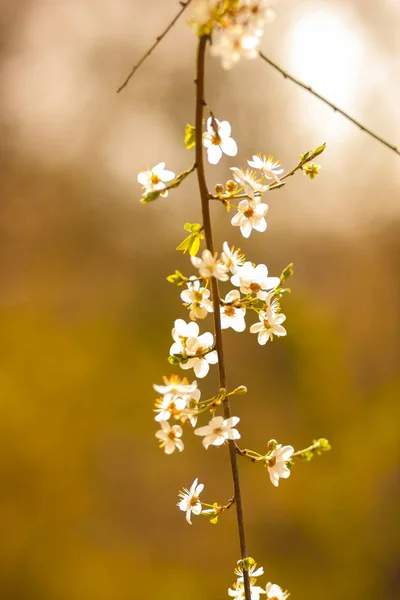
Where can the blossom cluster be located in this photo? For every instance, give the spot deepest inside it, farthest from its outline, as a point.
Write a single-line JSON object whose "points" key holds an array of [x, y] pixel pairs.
{"points": [[272, 590], [236, 26]]}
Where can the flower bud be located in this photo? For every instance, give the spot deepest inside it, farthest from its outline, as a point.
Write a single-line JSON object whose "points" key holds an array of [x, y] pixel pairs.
{"points": [[219, 189]]}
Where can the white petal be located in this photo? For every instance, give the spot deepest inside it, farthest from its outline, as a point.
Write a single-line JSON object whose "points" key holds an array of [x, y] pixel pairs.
{"points": [[229, 147], [143, 178], [212, 357], [263, 337], [232, 421], [167, 175], [201, 367], [214, 154], [158, 168], [260, 225], [224, 129], [246, 229]]}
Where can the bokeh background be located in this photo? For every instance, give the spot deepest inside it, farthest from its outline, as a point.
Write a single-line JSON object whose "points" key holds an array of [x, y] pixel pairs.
{"points": [[87, 501]]}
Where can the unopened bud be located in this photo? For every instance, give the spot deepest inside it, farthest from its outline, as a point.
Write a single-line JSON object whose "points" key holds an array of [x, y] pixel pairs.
{"points": [[219, 188], [231, 186], [272, 444]]}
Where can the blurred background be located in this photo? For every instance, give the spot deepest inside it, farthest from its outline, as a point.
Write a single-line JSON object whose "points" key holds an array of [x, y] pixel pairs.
{"points": [[87, 501]]}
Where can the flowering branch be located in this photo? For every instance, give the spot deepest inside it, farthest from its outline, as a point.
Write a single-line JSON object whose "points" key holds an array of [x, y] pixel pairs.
{"points": [[204, 196], [159, 38], [234, 27], [309, 89]]}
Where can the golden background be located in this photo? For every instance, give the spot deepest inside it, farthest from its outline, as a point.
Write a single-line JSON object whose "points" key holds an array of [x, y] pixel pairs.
{"points": [[87, 501]]}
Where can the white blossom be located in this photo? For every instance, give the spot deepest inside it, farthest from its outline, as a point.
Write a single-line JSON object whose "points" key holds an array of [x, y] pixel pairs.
{"points": [[238, 591], [277, 467], [154, 179], [232, 314], [274, 592], [250, 216], [195, 348], [270, 324], [254, 279], [190, 502], [169, 437], [232, 258], [197, 299], [253, 572], [210, 266], [201, 12], [249, 182], [179, 398], [233, 42], [268, 165], [217, 139], [218, 431]]}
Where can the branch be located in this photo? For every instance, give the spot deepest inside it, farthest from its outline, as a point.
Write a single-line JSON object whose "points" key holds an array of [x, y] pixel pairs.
{"points": [[205, 207], [309, 89], [135, 67]]}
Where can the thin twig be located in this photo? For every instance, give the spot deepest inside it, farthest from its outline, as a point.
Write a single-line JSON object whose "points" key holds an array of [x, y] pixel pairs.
{"points": [[204, 195], [135, 67], [309, 89]]}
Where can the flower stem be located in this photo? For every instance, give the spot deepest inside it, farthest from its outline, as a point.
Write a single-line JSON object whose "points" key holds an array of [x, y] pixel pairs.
{"points": [[204, 195]]}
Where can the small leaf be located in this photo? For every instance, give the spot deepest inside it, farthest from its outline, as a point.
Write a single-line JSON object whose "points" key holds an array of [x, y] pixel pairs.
{"points": [[194, 248], [190, 136], [318, 151], [185, 244]]}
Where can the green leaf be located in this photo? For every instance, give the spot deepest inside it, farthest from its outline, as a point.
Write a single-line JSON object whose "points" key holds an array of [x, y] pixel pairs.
{"points": [[318, 151], [190, 136], [214, 519], [185, 244], [194, 248]]}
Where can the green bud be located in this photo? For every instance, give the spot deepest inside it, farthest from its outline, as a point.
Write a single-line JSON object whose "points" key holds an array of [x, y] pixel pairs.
{"points": [[150, 197], [246, 563], [173, 360], [272, 444], [177, 278], [242, 389], [287, 272], [305, 156], [324, 445]]}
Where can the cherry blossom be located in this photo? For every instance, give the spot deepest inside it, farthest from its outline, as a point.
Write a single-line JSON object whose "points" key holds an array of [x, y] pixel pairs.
{"points": [[153, 180], [194, 348], [232, 314], [169, 437], [249, 182], [218, 431], [217, 139], [268, 165], [178, 395], [190, 502], [197, 299], [254, 279], [210, 266], [232, 258], [250, 216], [270, 324], [274, 592], [277, 467]]}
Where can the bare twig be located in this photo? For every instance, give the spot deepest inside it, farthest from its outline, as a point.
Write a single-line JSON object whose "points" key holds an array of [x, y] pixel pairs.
{"points": [[135, 67], [204, 195], [309, 89]]}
